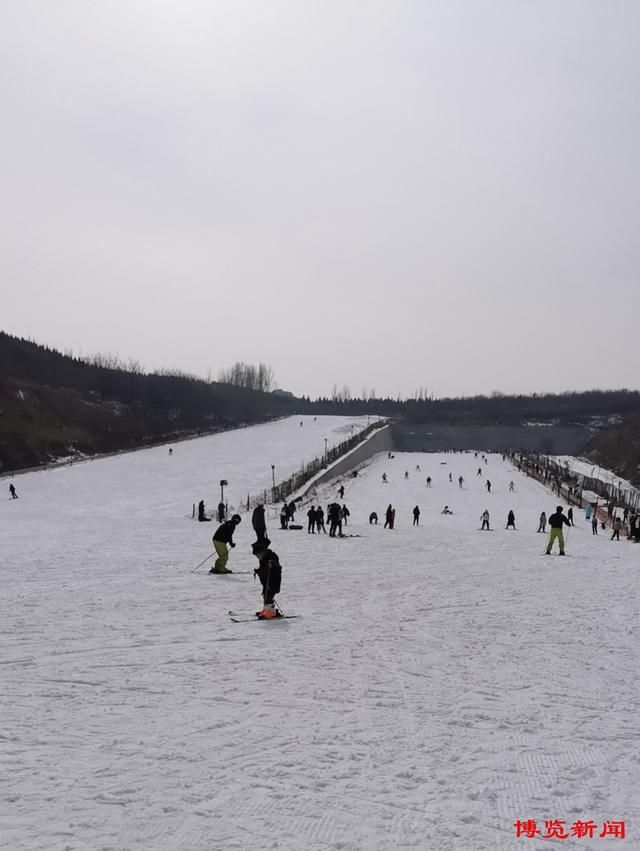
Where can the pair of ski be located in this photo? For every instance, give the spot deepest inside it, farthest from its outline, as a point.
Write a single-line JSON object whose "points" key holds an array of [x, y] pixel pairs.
{"points": [[239, 618]]}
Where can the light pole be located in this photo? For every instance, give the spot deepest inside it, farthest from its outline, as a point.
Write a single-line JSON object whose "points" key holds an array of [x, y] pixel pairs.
{"points": [[223, 482]]}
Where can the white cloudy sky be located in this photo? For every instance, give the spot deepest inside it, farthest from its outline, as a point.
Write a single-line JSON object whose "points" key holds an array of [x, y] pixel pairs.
{"points": [[385, 194]]}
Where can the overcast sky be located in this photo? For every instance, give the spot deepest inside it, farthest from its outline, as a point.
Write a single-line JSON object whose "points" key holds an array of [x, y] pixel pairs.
{"points": [[388, 195]]}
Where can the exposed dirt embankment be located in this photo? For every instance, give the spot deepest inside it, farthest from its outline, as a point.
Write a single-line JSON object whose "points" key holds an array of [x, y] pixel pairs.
{"points": [[39, 424]]}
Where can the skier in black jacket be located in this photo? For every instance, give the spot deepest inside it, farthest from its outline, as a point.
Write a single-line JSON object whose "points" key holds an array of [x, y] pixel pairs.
{"points": [[259, 523], [223, 536], [557, 521], [269, 573]]}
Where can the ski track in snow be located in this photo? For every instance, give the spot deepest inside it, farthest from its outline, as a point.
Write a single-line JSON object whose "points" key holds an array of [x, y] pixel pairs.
{"points": [[441, 684]]}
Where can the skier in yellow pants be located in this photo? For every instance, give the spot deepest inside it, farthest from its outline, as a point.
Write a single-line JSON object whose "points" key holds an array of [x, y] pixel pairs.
{"points": [[557, 521], [222, 537]]}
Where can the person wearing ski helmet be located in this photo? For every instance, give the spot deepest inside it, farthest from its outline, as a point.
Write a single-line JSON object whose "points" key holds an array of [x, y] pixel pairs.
{"points": [[222, 539]]}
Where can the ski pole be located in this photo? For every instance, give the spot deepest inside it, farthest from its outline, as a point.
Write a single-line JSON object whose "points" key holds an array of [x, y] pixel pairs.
{"points": [[201, 563]]}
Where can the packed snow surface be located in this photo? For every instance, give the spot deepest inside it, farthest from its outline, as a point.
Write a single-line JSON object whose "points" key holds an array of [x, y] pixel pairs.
{"points": [[441, 683]]}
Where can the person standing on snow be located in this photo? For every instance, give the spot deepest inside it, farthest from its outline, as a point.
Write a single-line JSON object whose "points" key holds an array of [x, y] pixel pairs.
{"points": [[201, 515], [269, 572], [345, 514], [428, 481], [334, 514], [511, 520], [259, 523], [416, 516], [460, 481], [311, 525], [512, 487], [485, 520], [594, 523], [542, 527], [341, 491], [557, 521], [224, 536], [570, 516], [12, 491], [284, 516], [389, 517], [617, 526], [221, 512], [320, 520]]}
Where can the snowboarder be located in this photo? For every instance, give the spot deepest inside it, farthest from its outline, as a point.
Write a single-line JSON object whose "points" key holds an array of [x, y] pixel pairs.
{"points": [[416, 516], [12, 491], [345, 514], [485, 521], [460, 481], [488, 486], [389, 517], [221, 512], [617, 525], [373, 518], [201, 515], [428, 481], [311, 525], [259, 523], [511, 520], [223, 536], [269, 572], [341, 491], [557, 521], [542, 526]]}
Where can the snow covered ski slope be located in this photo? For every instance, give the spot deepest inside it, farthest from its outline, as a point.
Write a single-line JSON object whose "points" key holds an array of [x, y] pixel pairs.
{"points": [[442, 683]]}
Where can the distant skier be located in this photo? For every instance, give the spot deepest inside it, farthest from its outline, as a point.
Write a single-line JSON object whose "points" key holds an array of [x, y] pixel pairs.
{"points": [[460, 481], [446, 510], [373, 518], [479, 473], [202, 518], [222, 537], [617, 526], [341, 491], [12, 491], [345, 514], [389, 517], [384, 478], [416, 516], [557, 521], [428, 481], [311, 525], [511, 520], [570, 516], [418, 468], [170, 451], [406, 474], [512, 487], [259, 523], [542, 526], [450, 477], [221, 512], [484, 517], [269, 572], [488, 486]]}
